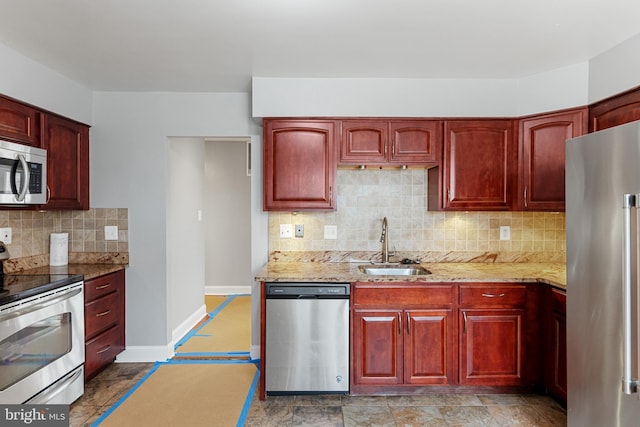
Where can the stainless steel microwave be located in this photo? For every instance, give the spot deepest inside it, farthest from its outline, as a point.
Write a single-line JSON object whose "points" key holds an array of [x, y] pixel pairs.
{"points": [[23, 174]]}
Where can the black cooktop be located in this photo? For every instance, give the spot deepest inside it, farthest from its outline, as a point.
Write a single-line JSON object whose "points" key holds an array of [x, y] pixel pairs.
{"points": [[18, 286]]}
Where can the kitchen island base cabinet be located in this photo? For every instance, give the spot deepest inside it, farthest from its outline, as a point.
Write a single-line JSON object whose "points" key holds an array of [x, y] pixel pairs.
{"points": [[104, 321]]}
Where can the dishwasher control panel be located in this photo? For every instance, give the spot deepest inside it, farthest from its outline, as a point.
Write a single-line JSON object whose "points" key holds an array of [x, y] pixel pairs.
{"points": [[308, 290]]}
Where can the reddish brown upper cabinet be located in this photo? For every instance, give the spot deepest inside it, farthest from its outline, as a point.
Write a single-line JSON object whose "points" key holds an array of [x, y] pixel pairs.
{"points": [[300, 164], [479, 166], [67, 145], [614, 111], [541, 181], [380, 142], [19, 122]]}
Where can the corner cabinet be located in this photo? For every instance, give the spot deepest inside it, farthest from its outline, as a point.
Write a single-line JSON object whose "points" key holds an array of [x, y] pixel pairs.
{"points": [[410, 341], [104, 322], [379, 142], [67, 145], [614, 111], [541, 183], [478, 166], [300, 164]]}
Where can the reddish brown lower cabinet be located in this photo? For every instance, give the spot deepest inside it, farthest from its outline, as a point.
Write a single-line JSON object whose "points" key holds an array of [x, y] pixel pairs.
{"points": [[492, 339], [104, 322], [411, 341], [555, 378]]}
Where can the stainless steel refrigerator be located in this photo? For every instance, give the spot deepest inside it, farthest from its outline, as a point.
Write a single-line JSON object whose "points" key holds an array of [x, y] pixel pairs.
{"points": [[603, 241]]}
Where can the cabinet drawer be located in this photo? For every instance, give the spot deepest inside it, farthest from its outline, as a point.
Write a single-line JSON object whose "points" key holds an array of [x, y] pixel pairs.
{"points": [[404, 294], [102, 350], [95, 288], [493, 296], [101, 313]]}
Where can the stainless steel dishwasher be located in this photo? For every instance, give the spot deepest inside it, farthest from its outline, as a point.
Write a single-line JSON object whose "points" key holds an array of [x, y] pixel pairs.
{"points": [[307, 338]]}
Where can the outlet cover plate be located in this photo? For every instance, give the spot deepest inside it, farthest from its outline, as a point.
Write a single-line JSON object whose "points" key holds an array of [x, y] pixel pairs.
{"points": [[330, 232], [286, 231], [5, 235], [110, 232], [505, 232]]}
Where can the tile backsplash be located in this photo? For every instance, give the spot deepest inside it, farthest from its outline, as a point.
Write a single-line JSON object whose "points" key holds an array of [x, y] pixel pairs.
{"points": [[365, 197], [31, 229]]}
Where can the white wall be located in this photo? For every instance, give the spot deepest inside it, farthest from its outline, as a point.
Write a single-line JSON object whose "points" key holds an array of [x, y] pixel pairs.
{"points": [[615, 71], [227, 197], [129, 168], [558, 89], [185, 234], [31, 82]]}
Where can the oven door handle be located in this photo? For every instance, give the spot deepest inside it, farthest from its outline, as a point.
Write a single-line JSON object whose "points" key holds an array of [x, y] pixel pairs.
{"points": [[42, 304]]}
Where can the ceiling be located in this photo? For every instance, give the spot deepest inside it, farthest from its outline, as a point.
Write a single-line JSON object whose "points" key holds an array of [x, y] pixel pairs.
{"points": [[218, 45]]}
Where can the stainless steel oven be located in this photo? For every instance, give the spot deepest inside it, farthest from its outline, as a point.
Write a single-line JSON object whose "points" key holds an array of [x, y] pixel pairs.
{"points": [[42, 342]]}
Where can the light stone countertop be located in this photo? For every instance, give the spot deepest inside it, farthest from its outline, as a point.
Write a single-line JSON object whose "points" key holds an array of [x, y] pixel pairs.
{"points": [[550, 273]]}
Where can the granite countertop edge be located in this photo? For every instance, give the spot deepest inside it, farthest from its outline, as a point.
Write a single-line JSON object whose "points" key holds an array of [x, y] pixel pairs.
{"points": [[553, 274]]}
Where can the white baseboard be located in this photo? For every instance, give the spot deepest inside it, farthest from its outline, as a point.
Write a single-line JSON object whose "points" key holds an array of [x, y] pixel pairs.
{"points": [[159, 353], [191, 321], [227, 290], [145, 353], [254, 352]]}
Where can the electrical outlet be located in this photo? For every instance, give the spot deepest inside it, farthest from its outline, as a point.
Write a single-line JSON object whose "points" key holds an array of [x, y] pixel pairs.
{"points": [[299, 230], [286, 231], [5, 235], [330, 232], [110, 232], [505, 232]]}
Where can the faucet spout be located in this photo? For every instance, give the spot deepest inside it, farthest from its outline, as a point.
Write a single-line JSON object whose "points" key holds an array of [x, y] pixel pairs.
{"points": [[384, 239]]}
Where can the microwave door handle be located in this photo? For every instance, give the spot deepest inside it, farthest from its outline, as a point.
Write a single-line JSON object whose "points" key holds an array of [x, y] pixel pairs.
{"points": [[25, 169]]}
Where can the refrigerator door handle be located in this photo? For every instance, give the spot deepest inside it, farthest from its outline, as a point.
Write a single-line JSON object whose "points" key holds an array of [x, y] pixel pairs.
{"points": [[629, 384]]}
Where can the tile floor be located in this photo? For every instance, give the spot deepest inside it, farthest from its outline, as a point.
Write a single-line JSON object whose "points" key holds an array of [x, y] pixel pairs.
{"points": [[335, 410], [401, 411]]}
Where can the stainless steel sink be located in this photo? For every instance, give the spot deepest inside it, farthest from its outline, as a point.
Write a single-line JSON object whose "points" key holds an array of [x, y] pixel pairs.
{"points": [[393, 270]]}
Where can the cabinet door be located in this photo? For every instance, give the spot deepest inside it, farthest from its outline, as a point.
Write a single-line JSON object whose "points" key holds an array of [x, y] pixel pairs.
{"points": [[479, 165], [428, 355], [491, 347], [542, 147], [614, 111], [299, 165], [414, 141], [556, 367], [67, 145], [19, 122], [377, 347], [364, 142]]}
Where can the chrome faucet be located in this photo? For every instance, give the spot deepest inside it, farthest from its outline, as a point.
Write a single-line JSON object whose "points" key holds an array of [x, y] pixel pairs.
{"points": [[384, 239]]}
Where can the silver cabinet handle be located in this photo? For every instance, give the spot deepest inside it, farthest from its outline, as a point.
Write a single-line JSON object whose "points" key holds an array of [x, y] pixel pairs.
{"points": [[25, 169], [525, 196], [493, 295], [399, 324], [408, 324], [629, 384]]}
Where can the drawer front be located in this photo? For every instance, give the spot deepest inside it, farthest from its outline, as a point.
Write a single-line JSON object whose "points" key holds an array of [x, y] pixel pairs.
{"points": [[102, 350], [493, 295], [101, 313], [95, 288], [402, 294]]}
